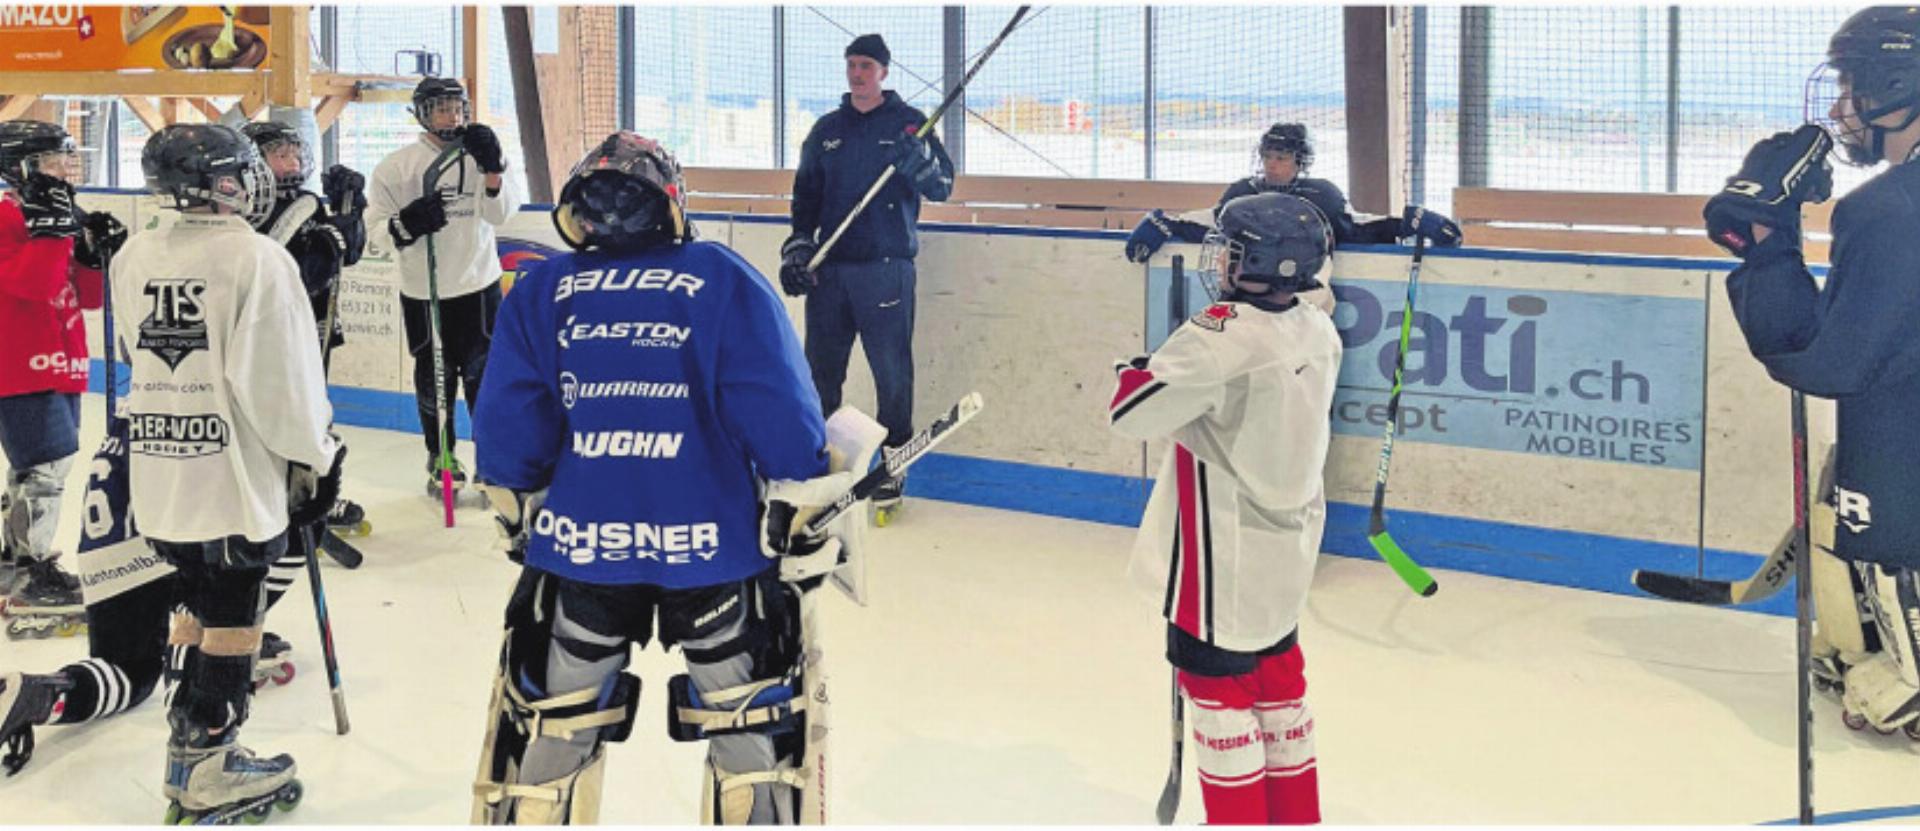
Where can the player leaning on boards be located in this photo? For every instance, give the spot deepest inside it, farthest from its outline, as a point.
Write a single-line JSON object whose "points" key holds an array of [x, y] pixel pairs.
{"points": [[51, 256], [1230, 535], [866, 285], [228, 412], [1852, 342], [628, 463], [460, 213], [1285, 156]]}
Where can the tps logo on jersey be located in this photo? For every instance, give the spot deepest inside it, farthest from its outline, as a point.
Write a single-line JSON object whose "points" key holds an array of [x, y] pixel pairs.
{"points": [[176, 436], [176, 326], [571, 390], [1214, 318], [1854, 509]]}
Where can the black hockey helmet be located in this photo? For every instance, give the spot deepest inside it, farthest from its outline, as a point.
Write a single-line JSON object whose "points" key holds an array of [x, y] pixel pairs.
{"points": [[1267, 241], [201, 165], [1877, 52], [1289, 138], [433, 94], [627, 194], [24, 143], [270, 137]]}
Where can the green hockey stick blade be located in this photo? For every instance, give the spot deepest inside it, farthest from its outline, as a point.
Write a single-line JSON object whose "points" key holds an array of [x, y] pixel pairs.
{"points": [[1410, 572]]}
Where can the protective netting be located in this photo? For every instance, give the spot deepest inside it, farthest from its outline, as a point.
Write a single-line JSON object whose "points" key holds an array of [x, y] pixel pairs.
{"points": [[816, 42], [703, 82], [1619, 99]]}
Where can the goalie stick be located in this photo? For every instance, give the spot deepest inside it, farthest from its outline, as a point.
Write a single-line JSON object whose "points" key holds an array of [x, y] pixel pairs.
{"points": [[925, 130], [1765, 582], [1390, 551], [893, 464]]}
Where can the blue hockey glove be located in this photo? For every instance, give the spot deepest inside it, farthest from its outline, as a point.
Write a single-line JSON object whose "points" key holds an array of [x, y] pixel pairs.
{"points": [[1434, 226], [1147, 237]]}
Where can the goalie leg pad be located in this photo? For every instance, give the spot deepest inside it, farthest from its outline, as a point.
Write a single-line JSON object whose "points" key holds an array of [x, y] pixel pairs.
{"points": [[1839, 597], [543, 760], [745, 691]]}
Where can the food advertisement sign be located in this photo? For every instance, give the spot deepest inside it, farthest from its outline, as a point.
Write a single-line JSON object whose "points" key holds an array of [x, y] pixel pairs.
{"points": [[75, 38]]}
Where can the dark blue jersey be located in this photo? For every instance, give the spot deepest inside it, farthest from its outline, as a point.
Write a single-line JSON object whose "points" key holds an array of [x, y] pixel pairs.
{"points": [[844, 153], [647, 392], [1853, 342]]}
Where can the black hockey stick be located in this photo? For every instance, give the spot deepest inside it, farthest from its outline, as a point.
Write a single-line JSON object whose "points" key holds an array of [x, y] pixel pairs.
{"points": [[1803, 605], [342, 552], [893, 464], [1410, 572], [453, 155], [1170, 795], [340, 723], [1765, 582], [925, 130]]}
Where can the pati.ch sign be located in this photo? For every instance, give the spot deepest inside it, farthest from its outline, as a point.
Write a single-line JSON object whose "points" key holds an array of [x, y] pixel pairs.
{"points": [[84, 38]]}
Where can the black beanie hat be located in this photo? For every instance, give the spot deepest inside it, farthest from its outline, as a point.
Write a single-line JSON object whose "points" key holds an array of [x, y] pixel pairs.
{"points": [[871, 46]]}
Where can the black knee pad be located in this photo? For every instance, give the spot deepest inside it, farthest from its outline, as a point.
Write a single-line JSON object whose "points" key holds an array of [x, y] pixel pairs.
{"points": [[771, 640]]}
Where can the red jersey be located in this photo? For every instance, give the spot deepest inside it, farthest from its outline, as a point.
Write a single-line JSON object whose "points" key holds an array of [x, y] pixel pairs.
{"points": [[43, 338]]}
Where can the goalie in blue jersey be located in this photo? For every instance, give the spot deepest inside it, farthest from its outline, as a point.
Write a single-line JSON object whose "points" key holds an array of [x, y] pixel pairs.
{"points": [[651, 439]]}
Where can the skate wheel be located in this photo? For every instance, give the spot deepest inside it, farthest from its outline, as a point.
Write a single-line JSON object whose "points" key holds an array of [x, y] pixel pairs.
{"points": [[362, 528], [882, 517], [257, 814], [173, 814], [70, 630], [284, 676], [1854, 721], [1885, 731], [289, 796]]}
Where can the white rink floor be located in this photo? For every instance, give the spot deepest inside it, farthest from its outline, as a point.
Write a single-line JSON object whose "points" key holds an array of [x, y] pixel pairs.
{"points": [[1005, 673]]}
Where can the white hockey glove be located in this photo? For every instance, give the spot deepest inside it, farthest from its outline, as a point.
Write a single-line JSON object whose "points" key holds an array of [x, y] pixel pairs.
{"points": [[784, 514], [512, 510]]}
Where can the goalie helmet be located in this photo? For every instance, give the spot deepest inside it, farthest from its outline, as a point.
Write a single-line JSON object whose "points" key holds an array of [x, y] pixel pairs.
{"points": [[25, 145], [208, 165], [275, 139], [1266, 242], [1289, 138], [1874, 53], [433, 95], [627, 194]]}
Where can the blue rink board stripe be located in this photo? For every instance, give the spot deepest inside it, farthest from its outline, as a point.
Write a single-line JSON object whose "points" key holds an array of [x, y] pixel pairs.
{"points": [[1863, 815], [1519, 552]]}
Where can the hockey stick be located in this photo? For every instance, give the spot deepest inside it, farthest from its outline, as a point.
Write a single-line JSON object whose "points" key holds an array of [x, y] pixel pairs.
{"points": [[454, 154], [342, 552], [320, 616], [1765, 582], [925, 130], [1170, 795], [1410, 572], [1803, 606], [894, 464]]}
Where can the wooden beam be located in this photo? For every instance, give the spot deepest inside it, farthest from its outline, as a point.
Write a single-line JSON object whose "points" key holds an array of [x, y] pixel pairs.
{"points": [[473, 56], [291, 82], [211, 84], [328, 111], [144, 109], [1369, 98], [252, 103], [526, 102], [206, 108], [174, 110], [17, 106]]}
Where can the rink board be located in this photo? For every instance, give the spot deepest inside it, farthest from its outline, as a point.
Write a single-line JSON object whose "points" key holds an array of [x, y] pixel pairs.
{"points": [[1555, 424]]}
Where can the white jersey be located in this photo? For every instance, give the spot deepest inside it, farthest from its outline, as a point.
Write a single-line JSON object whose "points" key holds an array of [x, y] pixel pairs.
{"points": [[464, 252], [227, 386], [1233, 528]]}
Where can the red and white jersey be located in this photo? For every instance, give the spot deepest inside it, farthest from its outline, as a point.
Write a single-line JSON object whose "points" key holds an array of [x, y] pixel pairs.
{"points": [[1233, 528], [227, 386], [43, 338]]}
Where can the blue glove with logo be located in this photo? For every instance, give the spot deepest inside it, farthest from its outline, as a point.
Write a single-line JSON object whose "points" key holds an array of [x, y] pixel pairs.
{"points": [[1434, 226], [1147, 237]]}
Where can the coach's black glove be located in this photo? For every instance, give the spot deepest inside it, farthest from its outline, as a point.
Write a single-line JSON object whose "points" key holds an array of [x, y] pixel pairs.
{"points": [[103, 238], [46, 202], [1781, 172], [795, 254], [1432, 225], [484, 147], [913, 160], [421, 217]]}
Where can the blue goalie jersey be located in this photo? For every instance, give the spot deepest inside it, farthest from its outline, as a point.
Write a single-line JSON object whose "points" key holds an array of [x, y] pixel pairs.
{"points": [[647, 392]]}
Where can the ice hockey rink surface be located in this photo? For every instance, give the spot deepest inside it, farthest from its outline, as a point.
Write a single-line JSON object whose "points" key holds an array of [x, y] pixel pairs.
{"points": [[1005, 672]]}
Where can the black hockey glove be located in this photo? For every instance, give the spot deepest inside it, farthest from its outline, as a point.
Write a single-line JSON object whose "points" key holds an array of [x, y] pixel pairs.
{"points": [[484, 147], [421, 217], [1434, 226], [345, 188], [795, 254], [913, 160], [46, 202], [1780, 172], [313, 494], [103, 238], [1147, 237]]}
